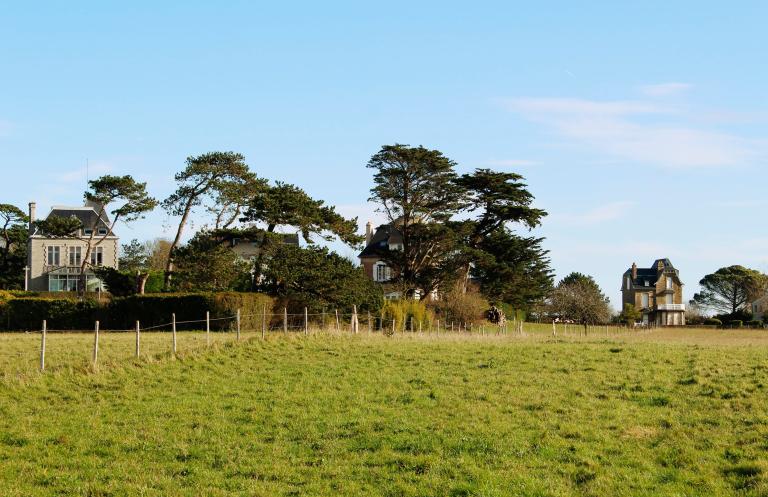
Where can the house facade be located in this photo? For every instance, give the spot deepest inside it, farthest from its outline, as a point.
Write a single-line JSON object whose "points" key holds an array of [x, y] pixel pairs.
{"points": [[377, 244], [760, 308], [657, 292], [54, 262]]}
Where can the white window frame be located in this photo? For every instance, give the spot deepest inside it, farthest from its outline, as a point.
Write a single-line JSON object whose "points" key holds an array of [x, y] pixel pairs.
{"points": [[381, 272], [97, 256], [645, 300], [75, 256], [669, 299], [670, 284], [53, 255]]}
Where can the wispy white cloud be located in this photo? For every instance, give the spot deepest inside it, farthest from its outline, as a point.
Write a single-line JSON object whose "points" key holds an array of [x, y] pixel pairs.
{"points": [[91, 171], [664, 89], [636, 131], [598, 215]]}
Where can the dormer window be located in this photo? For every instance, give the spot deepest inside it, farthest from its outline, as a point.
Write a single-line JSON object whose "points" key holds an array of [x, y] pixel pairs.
{"points": [[629, 283], [87, 231], [102, 231], [646, 283]]}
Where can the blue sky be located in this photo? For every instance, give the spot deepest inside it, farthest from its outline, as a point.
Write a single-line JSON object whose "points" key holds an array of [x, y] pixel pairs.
{"points": [[643, 130]]}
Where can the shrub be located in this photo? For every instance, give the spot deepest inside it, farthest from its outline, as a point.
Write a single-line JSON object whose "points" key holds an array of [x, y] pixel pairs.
{"points": [[713, 322], [408, 314], [755, 323], [459, 307], [156, 309], [65, 314], [736, 323]]}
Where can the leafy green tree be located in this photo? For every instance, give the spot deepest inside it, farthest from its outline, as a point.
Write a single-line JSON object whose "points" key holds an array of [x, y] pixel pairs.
{"points": [[630, 315], [316, 278], [289, 205], [13, 246], [579, 298], [134, 257], [415, 188], [118, 283], [204, 176], [133, 203], [730, 289], [205, 264], [58, 226], [232, 197], [512, 269]]}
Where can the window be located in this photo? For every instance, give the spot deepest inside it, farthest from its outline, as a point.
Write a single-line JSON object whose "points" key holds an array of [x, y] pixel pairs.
{"points": [[102, 231], [646, 283], [75, 256], [629, 282], [670, 283], [97, 256], [54, 255], [645, 300], [381, 272], [669, 298], [87, 231]]}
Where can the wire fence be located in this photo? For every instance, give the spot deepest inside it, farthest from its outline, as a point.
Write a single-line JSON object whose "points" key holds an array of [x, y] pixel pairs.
{"points": [[307, 323]]}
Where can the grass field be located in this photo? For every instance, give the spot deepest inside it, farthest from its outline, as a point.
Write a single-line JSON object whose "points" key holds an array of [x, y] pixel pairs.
{"points": [[667, 412]]}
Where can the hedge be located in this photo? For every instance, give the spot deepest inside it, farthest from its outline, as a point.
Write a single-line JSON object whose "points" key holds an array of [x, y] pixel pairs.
{"points": [[713, 322], [27, 313]]}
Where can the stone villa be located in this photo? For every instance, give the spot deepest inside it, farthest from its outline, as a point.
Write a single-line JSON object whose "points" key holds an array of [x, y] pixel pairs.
{"points": [[657, 292], [53, 263]]}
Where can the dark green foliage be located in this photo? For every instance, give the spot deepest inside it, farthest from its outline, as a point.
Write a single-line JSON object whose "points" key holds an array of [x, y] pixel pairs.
{"points": [[317, 278], [579, 298], [118, 283], [730, 289], [736, 323], [58, 226], [28, 313], [205, 264], [630, 314], [289, 205], [755, 323], [713, 322], [134, 257], [13, 246]]}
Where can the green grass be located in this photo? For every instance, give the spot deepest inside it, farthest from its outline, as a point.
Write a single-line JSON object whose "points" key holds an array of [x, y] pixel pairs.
{"points": [[632, 414]]}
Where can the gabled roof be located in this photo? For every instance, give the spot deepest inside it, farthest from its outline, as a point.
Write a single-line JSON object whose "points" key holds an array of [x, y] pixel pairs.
{"points": [[651, 274], [385, 235], [87, 216]]}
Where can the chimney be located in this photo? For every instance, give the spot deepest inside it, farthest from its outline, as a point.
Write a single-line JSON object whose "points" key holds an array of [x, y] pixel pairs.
{"points": [[368, 232], [634, 271], [32, 210]]}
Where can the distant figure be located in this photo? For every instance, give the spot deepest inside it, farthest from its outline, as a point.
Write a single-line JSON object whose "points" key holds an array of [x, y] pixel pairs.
{"points": [[496, 316]]}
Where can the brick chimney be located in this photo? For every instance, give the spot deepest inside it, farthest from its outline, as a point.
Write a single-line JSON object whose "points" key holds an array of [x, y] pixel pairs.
{"points": [[368, 232], [634, 271], [32, 211]]}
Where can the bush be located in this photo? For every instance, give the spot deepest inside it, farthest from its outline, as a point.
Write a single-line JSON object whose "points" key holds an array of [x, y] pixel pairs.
{"points": [[713, 322], [459, 307], [408, 313], [156, 309], [61, 314], [736, 323], [755, 323]]}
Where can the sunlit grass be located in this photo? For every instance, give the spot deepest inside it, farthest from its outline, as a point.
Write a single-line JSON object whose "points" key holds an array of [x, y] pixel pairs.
{"points": [[666, 412]]}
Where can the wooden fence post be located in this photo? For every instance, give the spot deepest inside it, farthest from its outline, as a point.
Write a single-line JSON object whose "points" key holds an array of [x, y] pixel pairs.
{"points": [[337, 320], [285, 320], [393, 325], [42, 345], [306, 322], [554, 328], [96, 344], [138, 339], [173, 331], [208, 328], [419, 326], [237, 317], [354, 319], [370, 325], [263, 320], [438, 326]]}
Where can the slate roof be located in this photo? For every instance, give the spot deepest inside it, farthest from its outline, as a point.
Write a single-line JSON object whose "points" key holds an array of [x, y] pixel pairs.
{"points": [[87, 216], [380, 241], [651, 274]]}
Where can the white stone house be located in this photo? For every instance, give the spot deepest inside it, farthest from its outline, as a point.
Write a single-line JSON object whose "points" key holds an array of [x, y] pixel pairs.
{"points": [[54, 263]]}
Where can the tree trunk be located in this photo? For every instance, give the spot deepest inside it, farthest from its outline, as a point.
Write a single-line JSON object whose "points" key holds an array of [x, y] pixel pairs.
{"points": [[175, 243], [141, 282]]}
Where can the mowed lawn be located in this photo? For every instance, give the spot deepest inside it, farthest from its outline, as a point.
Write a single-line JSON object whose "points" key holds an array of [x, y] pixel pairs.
{"points": [[643, 414]]}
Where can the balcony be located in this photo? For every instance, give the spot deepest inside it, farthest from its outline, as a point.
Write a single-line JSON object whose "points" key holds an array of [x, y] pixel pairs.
{"points": [[670, 307]]}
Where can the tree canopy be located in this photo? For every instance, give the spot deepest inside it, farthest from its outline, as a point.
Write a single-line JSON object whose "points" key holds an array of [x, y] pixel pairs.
{"points": [[578, 297], [730, 289], [13, 246]]}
